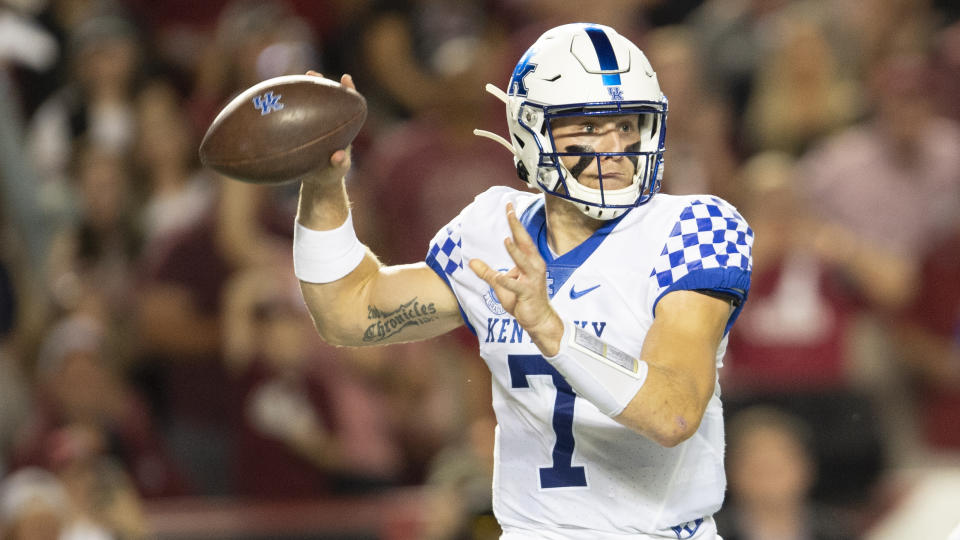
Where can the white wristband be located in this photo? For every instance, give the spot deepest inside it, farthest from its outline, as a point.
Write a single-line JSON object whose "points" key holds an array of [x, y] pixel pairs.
{"points": [[602, 374], [326, 256]]}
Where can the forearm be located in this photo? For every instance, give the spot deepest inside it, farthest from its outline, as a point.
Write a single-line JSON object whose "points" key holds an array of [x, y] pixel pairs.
{"points": [[664, 392], [353, 299], [337, 308], [669, 407], [325, 207], [645, 395]]}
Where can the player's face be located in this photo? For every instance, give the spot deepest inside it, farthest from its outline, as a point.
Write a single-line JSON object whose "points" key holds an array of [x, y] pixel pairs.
{"points": [[620, 133]]}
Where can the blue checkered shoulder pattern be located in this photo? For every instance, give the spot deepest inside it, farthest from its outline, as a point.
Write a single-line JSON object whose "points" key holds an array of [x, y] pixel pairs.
{"points": [[709, 248], [444, 255]]}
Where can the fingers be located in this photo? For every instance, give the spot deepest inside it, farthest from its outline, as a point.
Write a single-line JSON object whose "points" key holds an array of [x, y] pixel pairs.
{"points": [[479, 268], [520, 234], [500, 281], [341, 158], [521, 247], [345, 80], [484, 272]]}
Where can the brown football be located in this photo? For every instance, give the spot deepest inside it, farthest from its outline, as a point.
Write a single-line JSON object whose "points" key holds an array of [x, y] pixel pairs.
{"points": [[279, 129]]}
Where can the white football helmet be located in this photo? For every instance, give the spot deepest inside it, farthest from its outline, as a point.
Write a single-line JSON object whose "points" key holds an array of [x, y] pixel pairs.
{"points": [[583, 70]]}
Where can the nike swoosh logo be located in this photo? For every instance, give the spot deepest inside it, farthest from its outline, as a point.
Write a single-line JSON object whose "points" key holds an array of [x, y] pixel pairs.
{"points": [[574, 293]]}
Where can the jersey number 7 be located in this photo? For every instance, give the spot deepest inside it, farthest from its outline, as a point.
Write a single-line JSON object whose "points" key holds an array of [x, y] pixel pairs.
{"points": [[562, 473]]}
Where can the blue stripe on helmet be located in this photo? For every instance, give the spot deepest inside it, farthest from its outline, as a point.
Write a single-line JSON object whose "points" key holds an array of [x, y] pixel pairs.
{"points": [[608, 59]]}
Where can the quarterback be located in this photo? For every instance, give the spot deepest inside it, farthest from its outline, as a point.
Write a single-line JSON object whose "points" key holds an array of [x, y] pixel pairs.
{"points": [[601, 307]]}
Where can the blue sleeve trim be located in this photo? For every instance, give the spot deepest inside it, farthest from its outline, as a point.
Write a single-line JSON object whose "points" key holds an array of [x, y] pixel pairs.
{"points": [[731, 280], [431, 261]]}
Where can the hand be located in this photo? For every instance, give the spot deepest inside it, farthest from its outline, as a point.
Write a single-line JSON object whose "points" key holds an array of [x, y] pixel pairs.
{"points": [[522, 290], [339, 160]]}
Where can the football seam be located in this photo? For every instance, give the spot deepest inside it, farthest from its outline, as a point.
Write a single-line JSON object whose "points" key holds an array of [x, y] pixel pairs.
{"points": [[285, 152]]}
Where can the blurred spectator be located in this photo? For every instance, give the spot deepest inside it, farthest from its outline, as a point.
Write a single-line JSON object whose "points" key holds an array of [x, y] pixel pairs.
{"points": [[771, 472], [178, 29], [460, 480], [626, 15], [800, 91], [796, 334], [795, 341], [14, 388], [946, 64], [893, 183], [668, 12], [887, 28], [699, 148], [34, 505], [181, 292], [84, 409], [24, 43], [434, 164], [91, 261], [180, 366], [309, 426], [35, 34], [178, 193], [15, 394], [730, 36], [432, 396], [928, 335], [253, 40], [434, 161], [95, 103], [527, 19], [410, 49], [105, 503]]}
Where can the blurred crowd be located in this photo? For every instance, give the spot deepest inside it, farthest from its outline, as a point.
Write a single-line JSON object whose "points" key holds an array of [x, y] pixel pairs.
{"points": [[153, 342]]}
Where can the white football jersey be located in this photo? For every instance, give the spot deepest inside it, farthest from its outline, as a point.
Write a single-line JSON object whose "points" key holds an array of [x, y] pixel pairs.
{"points": [[562, 465]]}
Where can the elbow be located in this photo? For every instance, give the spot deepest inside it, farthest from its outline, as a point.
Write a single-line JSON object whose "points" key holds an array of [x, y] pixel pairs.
{"points": [[671, 433], [331, 335], [336, 339]]}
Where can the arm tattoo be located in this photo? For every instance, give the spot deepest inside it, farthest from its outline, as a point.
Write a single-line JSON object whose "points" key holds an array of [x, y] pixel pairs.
{"points": [[387, 324]]}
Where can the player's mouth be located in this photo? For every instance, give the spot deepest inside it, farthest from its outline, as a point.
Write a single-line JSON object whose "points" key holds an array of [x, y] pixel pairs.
{"points": [[611, 180]]}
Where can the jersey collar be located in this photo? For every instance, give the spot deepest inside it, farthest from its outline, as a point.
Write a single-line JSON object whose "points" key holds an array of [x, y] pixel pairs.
{"points": [[534, 220]]}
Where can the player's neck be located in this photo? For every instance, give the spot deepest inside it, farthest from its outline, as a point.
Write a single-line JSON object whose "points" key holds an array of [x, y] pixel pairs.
{"points": [[567, 227]]}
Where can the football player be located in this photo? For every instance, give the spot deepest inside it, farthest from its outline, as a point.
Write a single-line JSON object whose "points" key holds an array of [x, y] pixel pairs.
{"points": [[601, 308]]}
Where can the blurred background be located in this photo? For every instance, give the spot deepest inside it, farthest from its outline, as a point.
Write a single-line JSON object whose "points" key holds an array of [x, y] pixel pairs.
{"points": [[159, 376]]}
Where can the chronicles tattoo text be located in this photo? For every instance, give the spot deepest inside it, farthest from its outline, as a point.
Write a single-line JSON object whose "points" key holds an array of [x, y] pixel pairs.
{"points": [[391, 323]]}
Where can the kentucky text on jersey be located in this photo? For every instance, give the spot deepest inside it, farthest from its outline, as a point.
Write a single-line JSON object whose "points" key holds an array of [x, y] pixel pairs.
{"points": [[506, 330]]}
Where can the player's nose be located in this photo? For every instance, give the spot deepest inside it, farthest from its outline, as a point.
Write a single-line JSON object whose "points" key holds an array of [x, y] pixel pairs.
{"points": [[612, 141]]}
